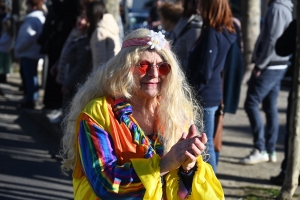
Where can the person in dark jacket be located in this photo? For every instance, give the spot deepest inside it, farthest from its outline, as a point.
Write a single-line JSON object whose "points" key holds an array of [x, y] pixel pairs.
{"points": [[60, 20], [285, 46], [169, 14], [206, 62], [233, 73], [186, 31], [75, 62]]}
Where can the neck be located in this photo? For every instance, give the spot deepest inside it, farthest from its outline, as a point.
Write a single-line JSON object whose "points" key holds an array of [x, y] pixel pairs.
{"points": [[144, 106], [144, 113]]}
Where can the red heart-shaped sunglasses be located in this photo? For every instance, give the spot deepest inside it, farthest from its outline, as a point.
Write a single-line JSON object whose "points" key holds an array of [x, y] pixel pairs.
{"points": [[145, 66]]}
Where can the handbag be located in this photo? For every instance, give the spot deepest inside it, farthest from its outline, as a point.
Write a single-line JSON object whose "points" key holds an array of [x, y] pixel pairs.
{"points": [[219, 116], [218, 130]]}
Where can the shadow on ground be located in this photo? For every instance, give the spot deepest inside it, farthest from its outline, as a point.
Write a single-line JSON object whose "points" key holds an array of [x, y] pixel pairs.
{"points": [[27, 146]]}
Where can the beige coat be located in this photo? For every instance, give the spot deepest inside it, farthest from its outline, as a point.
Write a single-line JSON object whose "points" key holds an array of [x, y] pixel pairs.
{"points": [[105, 40]]}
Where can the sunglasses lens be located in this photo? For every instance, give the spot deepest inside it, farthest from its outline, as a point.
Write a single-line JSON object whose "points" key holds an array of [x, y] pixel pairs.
{"points": [[143, 67], [164, 68]]}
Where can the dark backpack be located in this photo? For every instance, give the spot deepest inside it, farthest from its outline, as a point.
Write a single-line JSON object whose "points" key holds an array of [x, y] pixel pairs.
{"points": [[233, 76]]}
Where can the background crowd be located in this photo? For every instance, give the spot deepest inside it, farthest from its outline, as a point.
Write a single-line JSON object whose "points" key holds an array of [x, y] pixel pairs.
{"points": [[73, 37]]}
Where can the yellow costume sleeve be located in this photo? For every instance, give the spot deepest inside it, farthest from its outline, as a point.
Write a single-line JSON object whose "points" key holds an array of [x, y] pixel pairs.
{"points": [[205, 184], [148, 171]]}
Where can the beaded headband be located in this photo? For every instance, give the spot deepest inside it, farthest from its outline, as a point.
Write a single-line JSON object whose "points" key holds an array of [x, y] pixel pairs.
{"points": [[155, 39]]}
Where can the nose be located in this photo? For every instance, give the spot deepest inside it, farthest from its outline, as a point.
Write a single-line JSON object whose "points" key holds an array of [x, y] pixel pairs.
{"points": [[154, 70]]}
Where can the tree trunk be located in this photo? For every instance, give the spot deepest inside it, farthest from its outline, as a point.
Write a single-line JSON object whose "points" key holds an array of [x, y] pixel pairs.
{"points": [[295, 8], [293, 166], [112, 7], [250, 28]]}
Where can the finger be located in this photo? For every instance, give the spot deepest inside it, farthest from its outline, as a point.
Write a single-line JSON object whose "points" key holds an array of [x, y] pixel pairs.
{"points": [[183, 136], [190, 157], [204, 138], [196, 151], [192, 131], [198, 144]]}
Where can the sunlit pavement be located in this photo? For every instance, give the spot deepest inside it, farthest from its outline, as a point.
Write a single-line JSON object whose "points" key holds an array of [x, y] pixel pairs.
{"points": [[238, 142], [28, 167]]}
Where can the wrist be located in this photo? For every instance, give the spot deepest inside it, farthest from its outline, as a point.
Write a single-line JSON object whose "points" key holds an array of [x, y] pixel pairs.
{"points": [[186, 170], [257, 68]]}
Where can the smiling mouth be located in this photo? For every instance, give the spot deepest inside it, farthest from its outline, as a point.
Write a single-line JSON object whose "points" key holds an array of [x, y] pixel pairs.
{"points": [[152, 83]]}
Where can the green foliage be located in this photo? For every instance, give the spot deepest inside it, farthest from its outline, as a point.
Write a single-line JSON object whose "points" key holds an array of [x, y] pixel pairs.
{"points": [[255, 193]]}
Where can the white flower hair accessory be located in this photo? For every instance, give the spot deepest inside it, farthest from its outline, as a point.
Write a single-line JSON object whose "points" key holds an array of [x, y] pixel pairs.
{"points": [[154, 39], [157, 40]]}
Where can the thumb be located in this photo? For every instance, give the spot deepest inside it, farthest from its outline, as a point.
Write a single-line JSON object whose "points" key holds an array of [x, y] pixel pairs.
{"points": [[192, 131]]}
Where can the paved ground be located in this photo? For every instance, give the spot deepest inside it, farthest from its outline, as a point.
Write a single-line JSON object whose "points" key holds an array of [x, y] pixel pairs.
{"points": [[28, 142], [237, 143], [28, 170]]}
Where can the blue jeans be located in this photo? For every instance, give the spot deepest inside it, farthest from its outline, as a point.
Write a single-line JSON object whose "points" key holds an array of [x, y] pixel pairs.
{"points": [[29, 71], [264, 89], [209, 126]]}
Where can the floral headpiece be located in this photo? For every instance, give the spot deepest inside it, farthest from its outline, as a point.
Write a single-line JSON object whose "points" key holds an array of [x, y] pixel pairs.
{"points": [[155, 39]]}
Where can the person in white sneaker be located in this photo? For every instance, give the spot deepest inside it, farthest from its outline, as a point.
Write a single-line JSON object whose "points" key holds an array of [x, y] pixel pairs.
{"points": [[264, 84], [256, 156]]}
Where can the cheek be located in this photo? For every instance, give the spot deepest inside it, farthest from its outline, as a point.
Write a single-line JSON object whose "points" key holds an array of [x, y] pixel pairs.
{"points": [[137, 73], [133, 70], [137, 76]]}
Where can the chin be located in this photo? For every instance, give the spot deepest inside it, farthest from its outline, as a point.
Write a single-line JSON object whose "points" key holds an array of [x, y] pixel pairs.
{"points": [[149, 95]]}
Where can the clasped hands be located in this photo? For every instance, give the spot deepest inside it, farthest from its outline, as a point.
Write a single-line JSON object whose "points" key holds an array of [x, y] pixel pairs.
{"points": [[185, 152]]}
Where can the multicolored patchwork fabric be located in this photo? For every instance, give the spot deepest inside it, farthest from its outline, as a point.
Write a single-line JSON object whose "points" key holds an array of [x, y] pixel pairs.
{"points": [[123, 111], [98, 150], [117, 160]]}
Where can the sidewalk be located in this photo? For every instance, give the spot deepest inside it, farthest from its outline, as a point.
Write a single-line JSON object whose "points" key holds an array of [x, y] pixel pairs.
{"points": [[28, 169], [237, 180]]}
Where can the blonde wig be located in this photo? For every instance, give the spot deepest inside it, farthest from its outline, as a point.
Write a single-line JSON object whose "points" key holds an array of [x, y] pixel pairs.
{"points": [[178, 106]]}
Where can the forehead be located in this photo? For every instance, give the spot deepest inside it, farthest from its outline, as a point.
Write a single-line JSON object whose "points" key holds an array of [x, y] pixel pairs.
{"points": [[151, 56]]}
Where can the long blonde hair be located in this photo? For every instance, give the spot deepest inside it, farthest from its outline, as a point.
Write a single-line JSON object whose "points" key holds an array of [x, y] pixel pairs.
{"points": [[178, 107]]}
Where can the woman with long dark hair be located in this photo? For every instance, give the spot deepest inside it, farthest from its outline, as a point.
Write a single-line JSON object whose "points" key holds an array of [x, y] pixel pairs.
{"points": [[206, 62]]}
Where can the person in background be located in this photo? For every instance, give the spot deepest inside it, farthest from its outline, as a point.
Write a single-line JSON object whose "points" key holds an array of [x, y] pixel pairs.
{"points": [[120, 25], [56, 115], [75, 63], [264, 83], [286, 46], [3, 13], [206, 62], [153, 17], [131, 130], [237, 24], [60, 20], [232, 74], [103, 32], [124, 15], [187, 30], [28, 50], [169, 14], [6, 45]]}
